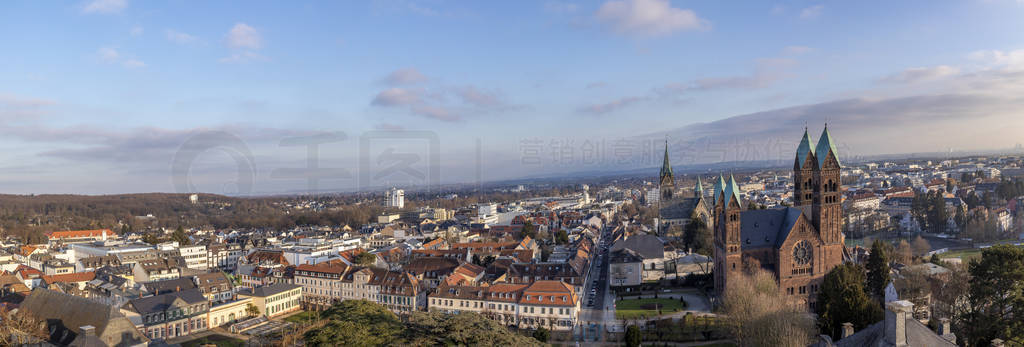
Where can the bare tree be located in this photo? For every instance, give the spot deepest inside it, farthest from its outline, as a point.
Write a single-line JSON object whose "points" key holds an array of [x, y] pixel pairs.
{"points": [[758, 314], [17, 328], [920, 246]]}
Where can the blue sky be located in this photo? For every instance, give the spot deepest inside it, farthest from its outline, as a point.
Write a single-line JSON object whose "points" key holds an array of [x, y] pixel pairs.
{"points": [[98, 96]]}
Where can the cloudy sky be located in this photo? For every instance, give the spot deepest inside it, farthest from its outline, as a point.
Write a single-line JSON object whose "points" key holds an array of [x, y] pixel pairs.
{"points": [[117, 96]]}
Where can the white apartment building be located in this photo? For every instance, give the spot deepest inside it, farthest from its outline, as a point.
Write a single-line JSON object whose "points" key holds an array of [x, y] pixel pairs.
{"points": [[195, 256], [395, 198]]}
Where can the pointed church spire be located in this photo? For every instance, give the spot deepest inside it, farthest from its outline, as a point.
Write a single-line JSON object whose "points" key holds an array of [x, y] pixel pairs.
{"points": [[698, 190], [732, 190], [719, 187], [826, 145], [804, 149], [666, 168]]}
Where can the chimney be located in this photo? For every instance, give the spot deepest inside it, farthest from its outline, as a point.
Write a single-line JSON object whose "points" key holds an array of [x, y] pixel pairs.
{"points": [[847, 330], [88, 330], [945, 331], [896, 314]]}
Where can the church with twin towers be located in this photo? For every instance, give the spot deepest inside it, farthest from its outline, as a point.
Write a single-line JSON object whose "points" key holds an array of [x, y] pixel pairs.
{"points": [[798, 244]]}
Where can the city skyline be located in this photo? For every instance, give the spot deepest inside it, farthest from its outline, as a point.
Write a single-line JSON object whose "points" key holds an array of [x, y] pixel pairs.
{"points": [[103, 96]]}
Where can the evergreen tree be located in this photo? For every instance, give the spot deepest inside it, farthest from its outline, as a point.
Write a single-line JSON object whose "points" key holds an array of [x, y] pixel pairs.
{"points": [[842, 299], [878, 275], [995, 302]]}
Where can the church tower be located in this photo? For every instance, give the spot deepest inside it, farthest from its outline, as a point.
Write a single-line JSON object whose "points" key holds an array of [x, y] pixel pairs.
{"points": [[826, 210], [667, 182], [698, 190], [728, 250], [803, 175]]}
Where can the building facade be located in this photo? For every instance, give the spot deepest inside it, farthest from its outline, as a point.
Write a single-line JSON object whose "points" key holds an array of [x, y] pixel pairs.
{"points": [[798, 244]]}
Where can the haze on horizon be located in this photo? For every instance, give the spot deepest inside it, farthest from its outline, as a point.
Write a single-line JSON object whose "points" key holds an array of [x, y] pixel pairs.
{"points": [[121, 96]]}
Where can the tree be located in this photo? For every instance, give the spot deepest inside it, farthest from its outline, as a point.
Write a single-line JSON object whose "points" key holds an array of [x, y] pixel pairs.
{"points": [[878, 271], [530, 230], [842, 299], [920, 246], [542, 334], [903, 254], [697, 236], [759, 314], [252, 310], [995, 302], [365, 258], [562, 237], [21, 328], [633, 337], [180, 237]]}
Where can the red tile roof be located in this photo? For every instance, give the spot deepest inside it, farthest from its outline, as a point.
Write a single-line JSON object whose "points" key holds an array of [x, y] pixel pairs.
{"points": [[71, 234], [71, 277]]}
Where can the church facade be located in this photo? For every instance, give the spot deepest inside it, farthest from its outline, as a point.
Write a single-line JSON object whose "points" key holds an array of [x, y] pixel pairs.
{"points": [[797, 244], [676, 209]]}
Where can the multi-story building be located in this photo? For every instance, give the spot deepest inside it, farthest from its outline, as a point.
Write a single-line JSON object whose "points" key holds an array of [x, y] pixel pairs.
{"points": [[395, 198], [224, 255], [549, 304], [215, 286], [169, 315], [275, 299], [195, 256]]}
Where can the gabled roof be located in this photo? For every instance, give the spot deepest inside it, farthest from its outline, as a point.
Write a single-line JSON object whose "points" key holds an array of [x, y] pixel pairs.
{"points": [[169, 286], [646, 246], [804, 149], [768, 227], [825, 146], [162, 302], [72, 312]]}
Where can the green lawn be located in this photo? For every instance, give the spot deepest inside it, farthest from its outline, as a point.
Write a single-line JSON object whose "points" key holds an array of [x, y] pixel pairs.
{"points": [[636, 308], [965, 254], [300, 317], [219, 340]]}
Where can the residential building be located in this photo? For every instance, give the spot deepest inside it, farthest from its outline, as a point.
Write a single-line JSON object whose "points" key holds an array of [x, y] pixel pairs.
{"points": [[196, 256], [169, 315], [275, 299], [395, 198]]}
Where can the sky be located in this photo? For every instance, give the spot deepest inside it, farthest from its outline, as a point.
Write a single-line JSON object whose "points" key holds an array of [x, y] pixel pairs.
{"points": [[258, 97]]}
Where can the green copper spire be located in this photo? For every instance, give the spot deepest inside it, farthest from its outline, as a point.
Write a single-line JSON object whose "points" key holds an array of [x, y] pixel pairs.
{"points": [[719, 187], [804, 149], [732, 190], [826, 145], [698, 190]]}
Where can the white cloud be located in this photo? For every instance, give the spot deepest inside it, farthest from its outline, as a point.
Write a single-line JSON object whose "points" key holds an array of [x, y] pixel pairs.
{"points": [[179, 37], [397, 97], [108, 55], [405, 76], [243, 36], [244, 41], [812, 12], [105, 6], [242, 57], [797, 50], [132, 63], [474, 96], [997, 58], [919, 74], [136, 31], [614, 105], [648, 18]]}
